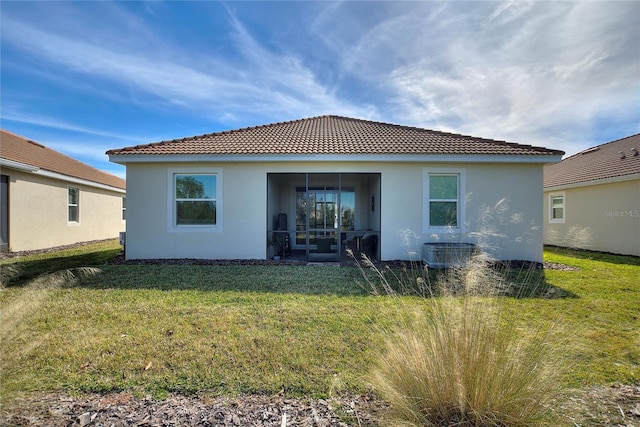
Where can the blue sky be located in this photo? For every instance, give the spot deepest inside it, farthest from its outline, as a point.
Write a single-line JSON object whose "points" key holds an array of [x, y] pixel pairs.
{"points": [[85, 77]]}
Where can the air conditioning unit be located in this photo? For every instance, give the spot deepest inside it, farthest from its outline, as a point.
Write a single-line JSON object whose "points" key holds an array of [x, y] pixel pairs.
{"points": [[123, 238], [445, 255]]}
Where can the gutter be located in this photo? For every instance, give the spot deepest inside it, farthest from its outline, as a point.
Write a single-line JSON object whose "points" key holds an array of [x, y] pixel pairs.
{"points": [[19, 166], [23, 167], [602, 181]]}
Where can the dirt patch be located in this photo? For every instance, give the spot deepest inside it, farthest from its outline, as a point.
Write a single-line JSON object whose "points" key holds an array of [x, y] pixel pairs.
{"points": [[556, 266]]}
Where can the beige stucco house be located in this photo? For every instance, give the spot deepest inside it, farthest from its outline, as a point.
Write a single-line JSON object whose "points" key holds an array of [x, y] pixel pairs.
{"points": [[592, 199], [48, 199], [314, 187]]}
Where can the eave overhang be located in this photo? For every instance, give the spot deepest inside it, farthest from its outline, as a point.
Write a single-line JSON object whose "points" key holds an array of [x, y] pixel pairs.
{"points": [[329, 158], [23, 167], [612, 180], [17, 165]]}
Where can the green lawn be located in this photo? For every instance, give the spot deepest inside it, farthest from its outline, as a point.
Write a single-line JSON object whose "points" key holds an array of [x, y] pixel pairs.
{"points": [[310, 330]]}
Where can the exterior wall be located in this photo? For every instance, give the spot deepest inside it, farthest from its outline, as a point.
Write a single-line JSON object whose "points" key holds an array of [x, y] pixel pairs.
{"points": [[602, 217], [38, 212], [501, 216], [503, 213]]}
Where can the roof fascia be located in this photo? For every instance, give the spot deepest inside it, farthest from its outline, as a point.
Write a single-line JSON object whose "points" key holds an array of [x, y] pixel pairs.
{"points": [[613, 180], [81, 181], [23, 167], [18, 166], [386, 158]]}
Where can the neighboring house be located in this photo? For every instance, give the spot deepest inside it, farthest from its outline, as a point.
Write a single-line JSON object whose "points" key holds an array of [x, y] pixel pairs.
{"points": [[592, 199], [48, 199], [313, 187]]}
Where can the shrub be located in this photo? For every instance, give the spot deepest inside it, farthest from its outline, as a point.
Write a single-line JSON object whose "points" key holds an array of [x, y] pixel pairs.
{"points": [[458, 361]]}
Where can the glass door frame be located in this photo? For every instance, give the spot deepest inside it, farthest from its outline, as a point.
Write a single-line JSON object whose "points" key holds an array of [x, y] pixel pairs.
{"points": [[326, 253]]}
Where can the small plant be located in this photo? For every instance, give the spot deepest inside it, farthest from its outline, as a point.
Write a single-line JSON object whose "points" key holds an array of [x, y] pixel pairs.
{"points": [[457, 362], [277, 242]]}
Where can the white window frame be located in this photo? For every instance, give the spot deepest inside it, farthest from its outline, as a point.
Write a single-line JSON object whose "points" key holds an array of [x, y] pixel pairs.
{"points": [[461, 173], [553, 220], [77, 205], [172, 225], [124, 208]]}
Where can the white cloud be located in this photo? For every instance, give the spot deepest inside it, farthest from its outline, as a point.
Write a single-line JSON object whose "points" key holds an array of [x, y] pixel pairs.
{"points": [[277, 84], [546, 88], [173, 82], [55, 123], [542, 73], [76, 141], [532, 72]]}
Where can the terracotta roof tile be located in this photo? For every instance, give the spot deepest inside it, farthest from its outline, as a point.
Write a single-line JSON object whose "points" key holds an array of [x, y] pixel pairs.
{"points": [[332, 135], [611, 160], [22, 150]]}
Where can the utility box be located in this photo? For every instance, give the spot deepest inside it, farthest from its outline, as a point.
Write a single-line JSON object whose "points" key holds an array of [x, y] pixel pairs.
{"points": [[445, 255]]}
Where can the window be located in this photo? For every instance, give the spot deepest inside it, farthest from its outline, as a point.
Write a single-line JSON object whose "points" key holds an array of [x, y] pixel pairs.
{"points": [[443, 206], [124, 208], [443, 200], [556, 207], [195, 200], [73, 205]]}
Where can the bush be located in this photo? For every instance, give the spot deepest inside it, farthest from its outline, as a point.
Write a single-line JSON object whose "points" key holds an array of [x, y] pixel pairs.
{"points": [[458, 361]]}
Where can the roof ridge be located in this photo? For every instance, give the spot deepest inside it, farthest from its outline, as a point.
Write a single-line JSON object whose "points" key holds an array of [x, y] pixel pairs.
{"points": [[308, 119], [454, 134], [328, 133], [210, 134]]}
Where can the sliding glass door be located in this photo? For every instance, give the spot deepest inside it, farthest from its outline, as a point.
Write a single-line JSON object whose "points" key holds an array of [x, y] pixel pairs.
{"points": [[327, 212], [319, 215]]}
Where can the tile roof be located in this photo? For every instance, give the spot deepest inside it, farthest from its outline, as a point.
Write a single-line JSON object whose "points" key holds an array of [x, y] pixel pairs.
{"points": [[22, 150], [611, 160], [332, 135]]}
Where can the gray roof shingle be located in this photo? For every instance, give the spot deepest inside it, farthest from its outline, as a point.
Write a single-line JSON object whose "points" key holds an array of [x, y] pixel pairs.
{"points": [[333, 135], [614, 159]]}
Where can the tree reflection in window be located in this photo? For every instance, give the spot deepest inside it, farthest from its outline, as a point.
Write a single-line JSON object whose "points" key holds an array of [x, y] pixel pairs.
{"points": [[196, 199]]}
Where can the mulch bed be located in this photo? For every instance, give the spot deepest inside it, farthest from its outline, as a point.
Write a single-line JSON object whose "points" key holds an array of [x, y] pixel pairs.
{"points": [[607, 406], [617, 405], [394, 264], [126, 410], [119, 259]]}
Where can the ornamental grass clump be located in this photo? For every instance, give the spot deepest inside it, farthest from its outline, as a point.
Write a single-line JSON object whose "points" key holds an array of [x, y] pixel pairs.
{"points": [[460, 359]]}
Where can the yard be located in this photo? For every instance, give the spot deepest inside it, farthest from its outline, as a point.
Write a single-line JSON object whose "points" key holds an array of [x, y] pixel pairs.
{"points": [[304, 332]]}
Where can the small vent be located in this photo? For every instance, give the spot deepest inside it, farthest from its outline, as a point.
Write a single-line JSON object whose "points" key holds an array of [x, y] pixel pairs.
{"points": [[35, 143]]}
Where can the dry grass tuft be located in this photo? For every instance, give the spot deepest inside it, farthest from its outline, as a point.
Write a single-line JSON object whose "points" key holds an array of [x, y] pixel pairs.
{"points": [[458, 362]]}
